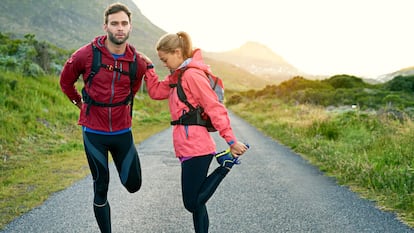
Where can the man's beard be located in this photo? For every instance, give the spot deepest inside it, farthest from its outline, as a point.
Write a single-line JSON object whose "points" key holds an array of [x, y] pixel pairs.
{"points": [[116, 41]]}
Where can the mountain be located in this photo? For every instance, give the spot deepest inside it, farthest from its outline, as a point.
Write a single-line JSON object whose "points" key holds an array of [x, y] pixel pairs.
{"points": [[71, 24], [409, 71], [235, 78], [260, 61]]}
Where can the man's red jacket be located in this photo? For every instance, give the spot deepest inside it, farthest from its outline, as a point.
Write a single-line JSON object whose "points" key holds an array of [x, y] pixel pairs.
{"points": [[108, 86]]}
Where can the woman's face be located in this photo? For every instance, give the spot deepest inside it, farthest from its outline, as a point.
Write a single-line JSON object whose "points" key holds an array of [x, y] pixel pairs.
{"points": [[171, 60]]}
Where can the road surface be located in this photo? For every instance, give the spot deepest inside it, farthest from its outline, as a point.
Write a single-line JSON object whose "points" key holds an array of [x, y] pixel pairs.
{"points": [[273, 190]]}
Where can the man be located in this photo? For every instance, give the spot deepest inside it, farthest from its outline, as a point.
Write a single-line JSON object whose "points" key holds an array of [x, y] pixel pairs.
{"points": [[105, 106]]}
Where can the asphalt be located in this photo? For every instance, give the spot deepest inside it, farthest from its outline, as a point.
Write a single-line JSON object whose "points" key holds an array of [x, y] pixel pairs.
{"points": [[272, 190]]}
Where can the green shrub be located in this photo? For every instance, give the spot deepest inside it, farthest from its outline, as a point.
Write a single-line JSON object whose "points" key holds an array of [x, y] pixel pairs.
{"points": [[345, 81], [31, 57], [401, 83], [233, 99], [324, 129]]}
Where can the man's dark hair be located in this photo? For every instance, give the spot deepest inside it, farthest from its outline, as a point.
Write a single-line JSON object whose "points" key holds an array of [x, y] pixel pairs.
{"points": [[115, 8]]}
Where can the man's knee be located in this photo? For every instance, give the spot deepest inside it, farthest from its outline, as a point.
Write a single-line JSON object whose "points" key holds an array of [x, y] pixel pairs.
{"points": [[133, 185], [101, 193], [190, 204]]}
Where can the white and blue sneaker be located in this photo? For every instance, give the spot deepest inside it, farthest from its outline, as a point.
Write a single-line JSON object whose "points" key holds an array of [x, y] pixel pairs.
{"points": [[226, 159]]}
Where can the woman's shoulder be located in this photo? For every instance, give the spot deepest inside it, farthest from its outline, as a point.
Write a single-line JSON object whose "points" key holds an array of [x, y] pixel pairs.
{"points": [[195, 77], [193, 71], [193, 74]]}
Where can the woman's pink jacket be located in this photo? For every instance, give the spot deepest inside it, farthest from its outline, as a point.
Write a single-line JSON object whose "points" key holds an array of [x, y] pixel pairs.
{"points": [[193, 140]]}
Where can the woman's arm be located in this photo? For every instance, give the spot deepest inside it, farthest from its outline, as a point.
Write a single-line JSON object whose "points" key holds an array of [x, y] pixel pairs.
{"points": [[157, 90], [195, 82]]}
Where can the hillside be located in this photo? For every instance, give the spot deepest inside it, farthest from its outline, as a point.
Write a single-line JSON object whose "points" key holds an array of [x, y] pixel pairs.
{"points": [[260, 61], [409, 71], [235, 78], [70, 24]]}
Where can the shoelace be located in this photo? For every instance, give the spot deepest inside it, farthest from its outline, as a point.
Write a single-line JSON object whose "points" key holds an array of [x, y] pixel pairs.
{"points": [[236, 161]]}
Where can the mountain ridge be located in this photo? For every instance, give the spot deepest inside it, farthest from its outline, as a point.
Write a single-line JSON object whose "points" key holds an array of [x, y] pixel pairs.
{"points": [[70, 25], [408, 71], [260, 60]]}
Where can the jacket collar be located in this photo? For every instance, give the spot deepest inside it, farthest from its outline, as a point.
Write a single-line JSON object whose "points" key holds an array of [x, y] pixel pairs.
{"points": [[99, 42]]}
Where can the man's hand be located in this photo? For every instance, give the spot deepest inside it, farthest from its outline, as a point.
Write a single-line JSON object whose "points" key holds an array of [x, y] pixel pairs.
{"points": [[79, 104]]}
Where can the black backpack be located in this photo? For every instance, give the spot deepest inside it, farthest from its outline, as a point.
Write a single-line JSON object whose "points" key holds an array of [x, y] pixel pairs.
{"points": [[96, 65], [196, 115]]}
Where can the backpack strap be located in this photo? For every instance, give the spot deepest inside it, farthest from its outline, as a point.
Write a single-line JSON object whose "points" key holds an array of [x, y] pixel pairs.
{"points": [[180, 92], [215, 82], [133, 67], [195, 116], [96, 65]]}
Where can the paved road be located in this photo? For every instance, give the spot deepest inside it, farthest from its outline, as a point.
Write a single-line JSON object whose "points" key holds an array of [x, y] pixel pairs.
{"points": [[273, 190]]}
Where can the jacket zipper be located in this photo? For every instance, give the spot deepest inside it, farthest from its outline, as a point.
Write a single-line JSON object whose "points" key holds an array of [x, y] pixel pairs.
{"points": [[114, 77]]}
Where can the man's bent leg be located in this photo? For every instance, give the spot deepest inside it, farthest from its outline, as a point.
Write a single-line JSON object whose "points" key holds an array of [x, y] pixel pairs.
{"points": [[127, 162]]}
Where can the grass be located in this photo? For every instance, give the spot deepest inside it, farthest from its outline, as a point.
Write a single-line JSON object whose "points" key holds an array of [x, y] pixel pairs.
{"points": [[41, 147], [369, 153]]}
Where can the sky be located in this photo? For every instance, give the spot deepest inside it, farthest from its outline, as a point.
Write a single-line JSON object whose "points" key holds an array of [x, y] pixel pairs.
{"points": [[366, 38]]}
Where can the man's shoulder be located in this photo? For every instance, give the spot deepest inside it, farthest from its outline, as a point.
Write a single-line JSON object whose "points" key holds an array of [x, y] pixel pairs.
{"points": [[141, 58], [82, 54]]}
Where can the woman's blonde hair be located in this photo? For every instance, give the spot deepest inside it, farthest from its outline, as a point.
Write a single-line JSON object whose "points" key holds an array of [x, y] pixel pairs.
{"points": [[180, 40]]}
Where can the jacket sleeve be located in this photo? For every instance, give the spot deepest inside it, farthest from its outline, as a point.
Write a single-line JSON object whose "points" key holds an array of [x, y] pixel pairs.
{"points": [[197, 84], [157, 90], [72, 69], [142, 67]]}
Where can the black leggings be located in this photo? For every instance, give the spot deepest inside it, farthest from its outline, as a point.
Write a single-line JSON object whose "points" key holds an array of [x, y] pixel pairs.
{"points": [[197, 188], [125, 157]]}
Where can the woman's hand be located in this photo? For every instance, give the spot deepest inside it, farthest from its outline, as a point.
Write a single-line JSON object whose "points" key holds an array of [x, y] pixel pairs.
{"points": [[238, 148], [147, 59]]}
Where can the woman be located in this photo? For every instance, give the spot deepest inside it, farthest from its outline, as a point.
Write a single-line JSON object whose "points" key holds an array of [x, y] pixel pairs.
{"points": [[193, 144]]}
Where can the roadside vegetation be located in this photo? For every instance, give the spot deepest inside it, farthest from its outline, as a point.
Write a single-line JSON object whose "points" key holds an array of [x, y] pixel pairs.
{"points": [[41, 148], [359, 133]]}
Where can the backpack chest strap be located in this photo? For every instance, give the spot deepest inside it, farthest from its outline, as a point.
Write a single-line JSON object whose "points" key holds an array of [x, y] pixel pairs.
{"points": [[112, 68]]}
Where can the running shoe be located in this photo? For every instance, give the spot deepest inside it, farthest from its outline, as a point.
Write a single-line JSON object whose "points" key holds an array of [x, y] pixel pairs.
{"points": [[226, 159]]}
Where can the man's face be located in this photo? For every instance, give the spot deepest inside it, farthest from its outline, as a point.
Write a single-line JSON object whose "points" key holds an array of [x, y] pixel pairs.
{"points": [[118, 27]]}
